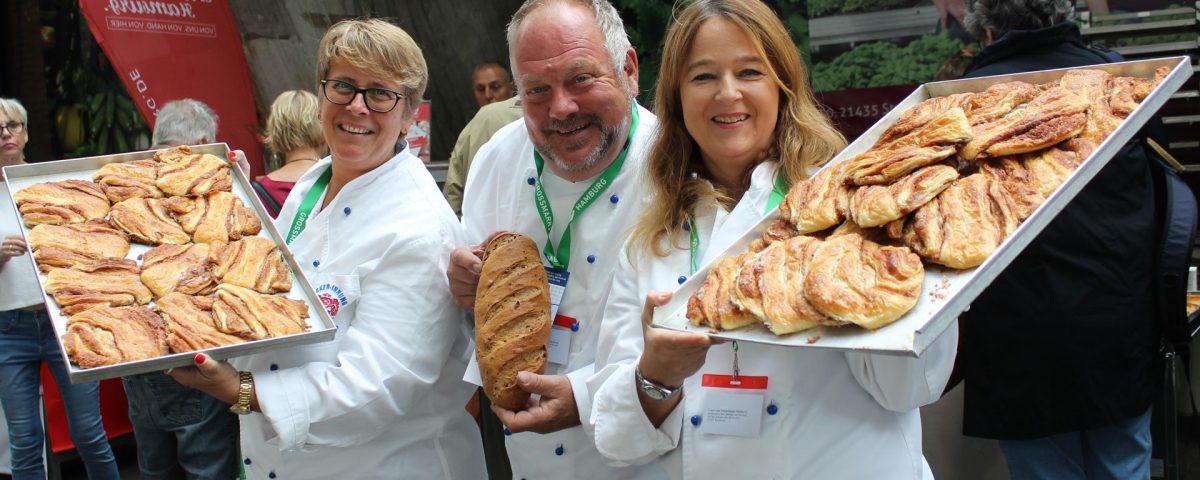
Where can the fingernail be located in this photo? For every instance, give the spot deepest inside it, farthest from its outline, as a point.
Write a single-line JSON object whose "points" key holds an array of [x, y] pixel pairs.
{"points": [[200, 359], [524, 377]]}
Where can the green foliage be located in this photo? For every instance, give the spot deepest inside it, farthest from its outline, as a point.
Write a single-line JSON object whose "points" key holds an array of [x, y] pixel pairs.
{"points": [[79, 74], [646, 21], [879, 64]]}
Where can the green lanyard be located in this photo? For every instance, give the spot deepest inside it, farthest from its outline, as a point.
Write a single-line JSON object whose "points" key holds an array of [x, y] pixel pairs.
{"points": [[310, 201], [777, 194], [560, 257]]}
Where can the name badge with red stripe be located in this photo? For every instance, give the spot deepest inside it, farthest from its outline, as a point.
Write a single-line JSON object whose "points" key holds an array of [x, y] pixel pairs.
{"points": [[560, 339], [733, 406]]}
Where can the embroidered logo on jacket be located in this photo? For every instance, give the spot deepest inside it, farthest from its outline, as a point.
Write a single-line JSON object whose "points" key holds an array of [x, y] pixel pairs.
{"points": [[332, 298]]}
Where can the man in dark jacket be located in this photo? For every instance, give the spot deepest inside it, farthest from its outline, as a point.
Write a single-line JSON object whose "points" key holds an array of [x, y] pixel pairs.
{"points": [[1059, 353]]}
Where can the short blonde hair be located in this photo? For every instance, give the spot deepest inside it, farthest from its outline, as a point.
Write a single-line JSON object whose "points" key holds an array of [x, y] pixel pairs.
{"points": [[293, 123], [380, 48], [13, 109]]}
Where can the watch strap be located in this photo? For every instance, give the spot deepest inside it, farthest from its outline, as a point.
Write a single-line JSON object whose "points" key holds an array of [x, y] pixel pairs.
{"points": [[245, 389], [654, 390]]}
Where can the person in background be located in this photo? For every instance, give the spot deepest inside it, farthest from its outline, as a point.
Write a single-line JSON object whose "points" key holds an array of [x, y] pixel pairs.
{"points": [[491, 82], [294, 134], [1074, 400], [27, 339], [486, 122], [369, 228], [189, 122], [181, 433], [737, 118], [577, 76]]}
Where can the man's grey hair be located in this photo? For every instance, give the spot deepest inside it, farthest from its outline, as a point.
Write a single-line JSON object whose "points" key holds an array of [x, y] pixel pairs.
{"points": [[1003, 16], [184, 122], [616, 41]]}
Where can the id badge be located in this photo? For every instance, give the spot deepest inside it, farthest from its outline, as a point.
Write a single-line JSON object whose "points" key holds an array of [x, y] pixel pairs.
{"points": [[558, 285], [560, 339], [563, 326], [733, 407]]}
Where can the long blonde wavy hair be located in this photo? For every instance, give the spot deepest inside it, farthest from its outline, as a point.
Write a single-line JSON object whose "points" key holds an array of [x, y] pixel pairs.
{"points": [[804, 137]]}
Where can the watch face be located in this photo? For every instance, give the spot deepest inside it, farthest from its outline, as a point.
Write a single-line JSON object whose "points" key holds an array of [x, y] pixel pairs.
{"points": [[654, 393]]}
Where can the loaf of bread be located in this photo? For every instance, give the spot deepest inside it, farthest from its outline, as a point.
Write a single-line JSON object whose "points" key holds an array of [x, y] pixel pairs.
{"points": [[512, 317]]}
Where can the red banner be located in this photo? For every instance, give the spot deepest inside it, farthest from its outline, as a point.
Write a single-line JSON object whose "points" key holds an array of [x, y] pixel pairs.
{"points": [[167, 50], [854, 111]]}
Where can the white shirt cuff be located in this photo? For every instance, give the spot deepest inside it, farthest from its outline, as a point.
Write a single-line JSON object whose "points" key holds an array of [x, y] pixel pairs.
{"points": [[286, 411]]}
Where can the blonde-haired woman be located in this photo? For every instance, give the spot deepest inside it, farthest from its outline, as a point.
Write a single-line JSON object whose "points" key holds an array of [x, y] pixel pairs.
{"points": [[737, 124], [384, 398], [27, 340], [294, 134]]}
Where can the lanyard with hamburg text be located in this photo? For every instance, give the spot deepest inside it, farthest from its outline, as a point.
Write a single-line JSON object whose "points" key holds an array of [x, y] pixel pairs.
{"points": [[310, 201], [561, 256]]}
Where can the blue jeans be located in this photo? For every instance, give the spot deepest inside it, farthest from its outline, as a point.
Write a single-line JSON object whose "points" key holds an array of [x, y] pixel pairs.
{"points": [[1120, 452], [181, 432], [27, 338]]}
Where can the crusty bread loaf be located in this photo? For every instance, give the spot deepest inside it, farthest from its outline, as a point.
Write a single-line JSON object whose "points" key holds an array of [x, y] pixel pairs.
{"points": [[512, 317]]}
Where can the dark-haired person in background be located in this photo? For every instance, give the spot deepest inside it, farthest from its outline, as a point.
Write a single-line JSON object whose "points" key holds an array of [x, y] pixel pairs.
{"points": [[492, 82], [1059, 353]]}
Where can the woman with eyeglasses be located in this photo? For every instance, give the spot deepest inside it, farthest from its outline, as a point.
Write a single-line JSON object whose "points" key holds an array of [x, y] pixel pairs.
{"points": [[373, 235], [27, 339]]}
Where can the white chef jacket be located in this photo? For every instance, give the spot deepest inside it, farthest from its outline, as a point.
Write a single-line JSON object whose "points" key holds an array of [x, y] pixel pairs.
{"points": [[385, 398], [842, 415], [499, 196], [18, 279]]}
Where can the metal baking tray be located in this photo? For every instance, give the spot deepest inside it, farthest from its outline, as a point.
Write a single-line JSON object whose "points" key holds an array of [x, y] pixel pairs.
{"points": [[321, 327], [946, 292]]}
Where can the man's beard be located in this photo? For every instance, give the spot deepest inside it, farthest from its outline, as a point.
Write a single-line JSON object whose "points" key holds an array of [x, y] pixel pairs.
{"points": [[608, 137]]}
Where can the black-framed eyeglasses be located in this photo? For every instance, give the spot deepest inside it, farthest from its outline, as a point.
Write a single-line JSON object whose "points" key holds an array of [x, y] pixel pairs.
{"points": [[379, 100], [14, 128]]}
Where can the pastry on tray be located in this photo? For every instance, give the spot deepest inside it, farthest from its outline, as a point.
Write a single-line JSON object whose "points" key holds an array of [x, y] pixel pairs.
{"points": [[58, 203], [252, 315], [817, 203], [216, 217], [712, 304], [109, 282], [178, 268], [861, 282], [126, 180], [190, 323], [193, 175], [147, 221], [926, 145], [963, 225], [110, 335], [253, 262], [1053, 116], [69, 245], [875, 205], [784, 266]]}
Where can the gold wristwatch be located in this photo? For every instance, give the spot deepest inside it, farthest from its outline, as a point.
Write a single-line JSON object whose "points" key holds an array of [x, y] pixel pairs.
{"points": [[245, 388]]}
